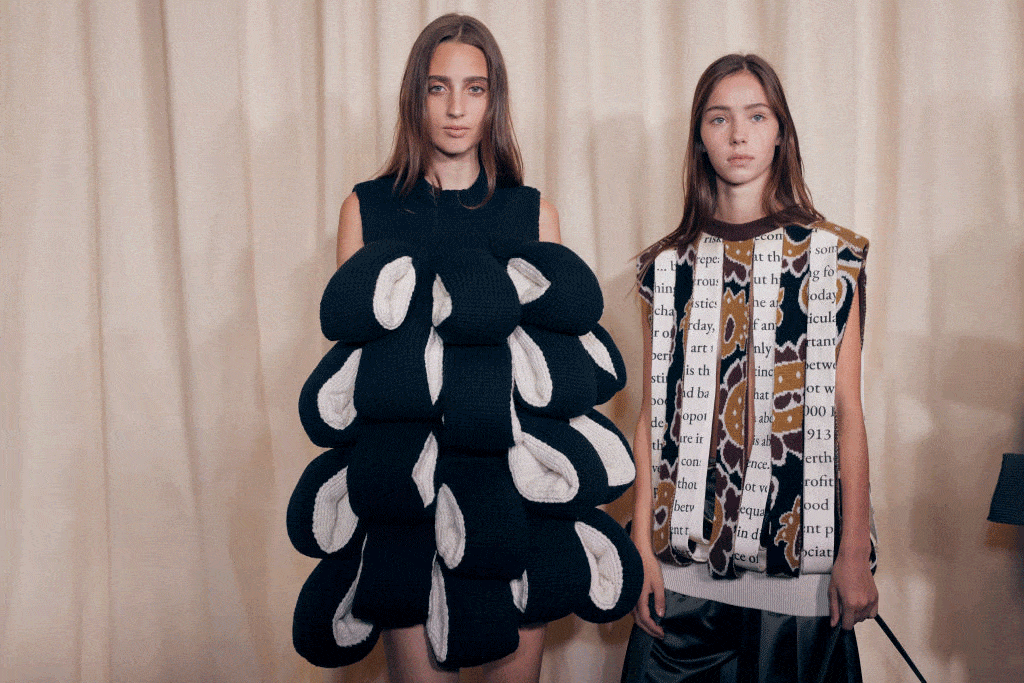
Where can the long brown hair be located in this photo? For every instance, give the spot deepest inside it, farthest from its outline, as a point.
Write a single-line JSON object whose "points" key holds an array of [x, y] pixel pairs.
{"points": [[786, 198], [499, 151]]}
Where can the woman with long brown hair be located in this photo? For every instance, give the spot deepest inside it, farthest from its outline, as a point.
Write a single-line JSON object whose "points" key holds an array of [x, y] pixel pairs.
{"points": [[752, 513], [454, 140], [456, 512]]}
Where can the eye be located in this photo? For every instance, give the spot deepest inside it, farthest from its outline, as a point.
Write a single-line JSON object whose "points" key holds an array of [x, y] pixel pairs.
{"points": [[717, 120], [760, 117], [435, 88], [477, 89]]}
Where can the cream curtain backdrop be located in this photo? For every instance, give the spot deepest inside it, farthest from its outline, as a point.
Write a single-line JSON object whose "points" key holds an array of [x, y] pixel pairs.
{"points": [[171, 176]]}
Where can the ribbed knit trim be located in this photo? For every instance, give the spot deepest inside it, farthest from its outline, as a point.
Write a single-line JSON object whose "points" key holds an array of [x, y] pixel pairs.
{"points": [[736, 232], [803, 596]]}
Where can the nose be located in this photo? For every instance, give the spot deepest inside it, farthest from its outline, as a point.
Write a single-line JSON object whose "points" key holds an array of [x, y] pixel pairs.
{"points": [[739, 132], [455, 105]]}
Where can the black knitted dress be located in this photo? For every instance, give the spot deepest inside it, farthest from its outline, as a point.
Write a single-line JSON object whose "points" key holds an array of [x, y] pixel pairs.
{"points": [[465, 458]]}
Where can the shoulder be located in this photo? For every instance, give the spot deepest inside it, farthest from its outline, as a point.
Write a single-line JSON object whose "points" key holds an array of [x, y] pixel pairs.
{"points": [[547, 222], [858, 244], [376, 190]]}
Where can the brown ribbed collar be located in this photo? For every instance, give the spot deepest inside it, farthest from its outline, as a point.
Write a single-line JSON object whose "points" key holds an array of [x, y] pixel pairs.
{"points": [[737, 232]]}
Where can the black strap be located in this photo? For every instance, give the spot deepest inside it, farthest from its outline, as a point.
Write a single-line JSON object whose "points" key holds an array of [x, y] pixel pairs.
{"points": [[834, 638], [899, 648]]}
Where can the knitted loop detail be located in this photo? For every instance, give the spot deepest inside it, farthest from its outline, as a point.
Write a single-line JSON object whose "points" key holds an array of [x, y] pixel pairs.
{"points": [[393, 292], [614, 453], [520, 591], [605, 566], [423, 470], [599, 352], [348, 630], [437, 615], [541, 472], [442, 306], [334, 400], [433, 358], [529, 282], [333, 519], [530, 369], [449, 528]]}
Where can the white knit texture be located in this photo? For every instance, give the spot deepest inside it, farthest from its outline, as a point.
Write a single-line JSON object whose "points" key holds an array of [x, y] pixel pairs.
{"points": [[333, 518], [334, 399], [393, 292]]}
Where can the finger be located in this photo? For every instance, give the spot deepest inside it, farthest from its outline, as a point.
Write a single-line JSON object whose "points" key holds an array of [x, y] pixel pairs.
{"points": [[833, 606], [659, 600], [642, 617]]}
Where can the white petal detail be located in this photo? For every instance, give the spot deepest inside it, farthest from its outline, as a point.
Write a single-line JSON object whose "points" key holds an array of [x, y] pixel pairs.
{"points": [[529, 369], [433, 356], [599, 353], [423, 470], [605, 566], [437, 614], [529, 282], [449, 528], [334, 400], [347, 629], [613, 453], [541, 473], [393, 292], [520, 592], [442, 307], [333, 519]]}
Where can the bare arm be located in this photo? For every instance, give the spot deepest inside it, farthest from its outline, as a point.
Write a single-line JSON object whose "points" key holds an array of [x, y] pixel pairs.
{"points": [[853, 596], [643, 503], [549, 231], [350, 229]]}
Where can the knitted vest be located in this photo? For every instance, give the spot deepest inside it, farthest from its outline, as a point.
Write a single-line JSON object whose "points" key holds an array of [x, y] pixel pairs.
{"points": [[770, 310]]}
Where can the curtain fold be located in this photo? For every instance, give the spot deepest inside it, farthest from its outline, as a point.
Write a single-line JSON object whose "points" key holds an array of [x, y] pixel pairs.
{"points": [[170, 178]]}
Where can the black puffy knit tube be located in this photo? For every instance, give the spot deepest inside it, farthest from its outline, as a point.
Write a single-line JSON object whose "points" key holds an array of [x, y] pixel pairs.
{"points": [[395, 583], [391, 472], [609, 368], [370, 293], [480, 522], [472, 621], [474, 301], [323, 628], [326, 406], [553, 374], [572, 303], [320, 518], [477, 398]]}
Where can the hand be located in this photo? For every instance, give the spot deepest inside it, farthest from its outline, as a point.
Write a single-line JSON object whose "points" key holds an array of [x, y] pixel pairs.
{"points": [[653, 585], [852, 594]]}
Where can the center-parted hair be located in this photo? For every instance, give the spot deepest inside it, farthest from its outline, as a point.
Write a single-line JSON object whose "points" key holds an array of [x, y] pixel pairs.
{"points": [[499, 151], [786, 198]]}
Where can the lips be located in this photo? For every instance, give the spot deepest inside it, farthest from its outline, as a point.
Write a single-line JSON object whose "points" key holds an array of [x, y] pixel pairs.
{"points": [[456, 131], [740, 159]]}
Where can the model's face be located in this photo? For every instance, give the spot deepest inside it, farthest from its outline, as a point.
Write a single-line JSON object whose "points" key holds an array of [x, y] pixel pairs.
{"points": [[739, 131], [457, 95]]}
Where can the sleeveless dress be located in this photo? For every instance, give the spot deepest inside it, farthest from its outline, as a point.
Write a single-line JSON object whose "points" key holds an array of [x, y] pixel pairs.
{"points": [[466, 458]]}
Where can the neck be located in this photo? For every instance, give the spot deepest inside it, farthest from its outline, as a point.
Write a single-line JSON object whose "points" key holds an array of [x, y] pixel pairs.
{"points": [[739, 203], [454, 173]]}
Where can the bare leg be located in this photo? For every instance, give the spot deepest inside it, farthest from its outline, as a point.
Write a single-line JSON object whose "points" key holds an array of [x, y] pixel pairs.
{"points": [[523, 665], [409, 657]]}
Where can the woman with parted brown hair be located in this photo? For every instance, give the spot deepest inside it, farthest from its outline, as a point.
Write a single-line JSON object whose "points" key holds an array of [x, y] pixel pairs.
{"points": [[455, 157], [752, 514]]}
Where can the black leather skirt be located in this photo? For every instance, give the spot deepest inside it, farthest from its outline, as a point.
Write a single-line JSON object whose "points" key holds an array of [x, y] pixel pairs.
{"points": [[711, 642]]}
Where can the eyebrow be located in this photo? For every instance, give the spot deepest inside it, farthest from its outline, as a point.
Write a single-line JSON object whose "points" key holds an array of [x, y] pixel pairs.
{"points": [[447, 81], [719, 107]]}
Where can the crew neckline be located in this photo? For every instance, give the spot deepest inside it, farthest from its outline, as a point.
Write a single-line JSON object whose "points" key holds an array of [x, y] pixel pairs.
{"points": [[467, 197], [737, 232]]}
